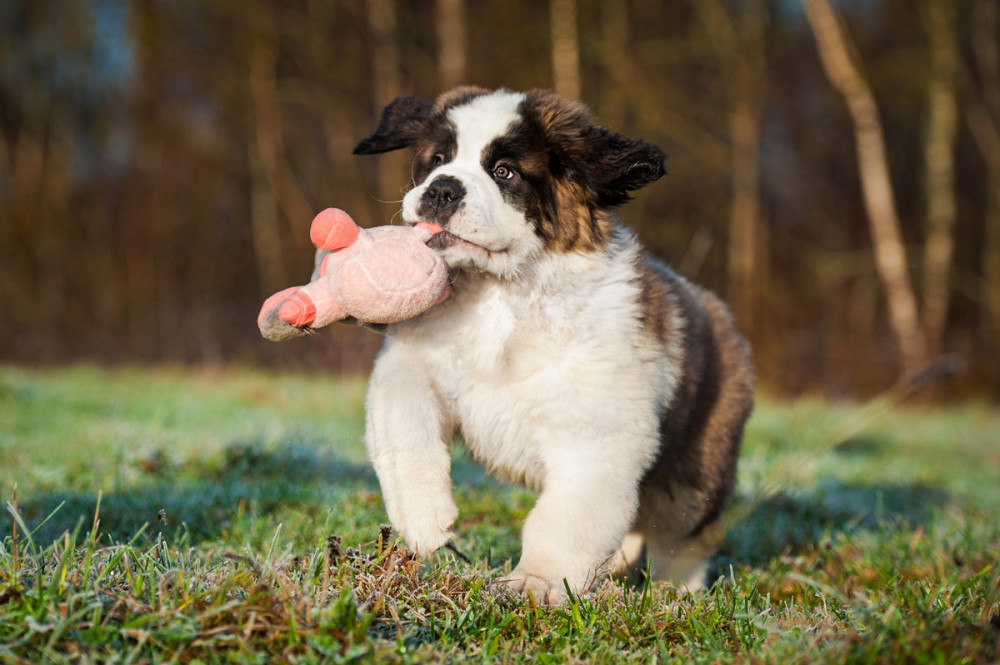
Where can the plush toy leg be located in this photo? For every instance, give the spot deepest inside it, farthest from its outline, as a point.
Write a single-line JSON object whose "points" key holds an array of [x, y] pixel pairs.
{"points": [[273, 328], [274, 301], [312, 305]]}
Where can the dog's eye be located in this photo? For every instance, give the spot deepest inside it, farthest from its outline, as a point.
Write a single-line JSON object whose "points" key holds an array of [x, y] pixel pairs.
{"points": [[437, 159], [503, 172]]}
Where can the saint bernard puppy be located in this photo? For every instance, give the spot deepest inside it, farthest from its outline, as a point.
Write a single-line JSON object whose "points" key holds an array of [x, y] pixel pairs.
{"points": [[566, 358]]}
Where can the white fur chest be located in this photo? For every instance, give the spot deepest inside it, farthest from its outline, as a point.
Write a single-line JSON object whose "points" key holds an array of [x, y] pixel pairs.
{"points": [[529, 376]]}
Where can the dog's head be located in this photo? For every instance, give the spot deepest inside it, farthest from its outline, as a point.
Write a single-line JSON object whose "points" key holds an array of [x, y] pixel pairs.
{"points": [[509, 175]]}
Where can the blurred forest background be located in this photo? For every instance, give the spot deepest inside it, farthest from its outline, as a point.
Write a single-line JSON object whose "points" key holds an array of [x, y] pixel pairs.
{"points": [[834, 168]]}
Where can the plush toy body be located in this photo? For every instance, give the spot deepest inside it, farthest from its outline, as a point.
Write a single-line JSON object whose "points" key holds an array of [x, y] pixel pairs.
{"points": [[381, 275]]}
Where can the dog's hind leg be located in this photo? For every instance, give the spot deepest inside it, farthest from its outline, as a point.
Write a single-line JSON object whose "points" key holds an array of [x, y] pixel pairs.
{"points": [[628, 562], [629, 555], [683, 562]]}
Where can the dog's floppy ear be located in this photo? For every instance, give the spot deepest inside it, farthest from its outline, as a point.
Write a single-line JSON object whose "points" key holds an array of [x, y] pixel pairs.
{"points": [[616, 164], [400, 126]]}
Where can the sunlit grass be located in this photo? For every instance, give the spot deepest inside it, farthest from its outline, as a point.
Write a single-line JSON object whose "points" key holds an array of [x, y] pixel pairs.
{"points": [[177, 515]]}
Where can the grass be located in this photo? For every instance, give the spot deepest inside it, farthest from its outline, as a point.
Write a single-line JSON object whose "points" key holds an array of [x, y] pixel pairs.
{"points": [[180, 516]]}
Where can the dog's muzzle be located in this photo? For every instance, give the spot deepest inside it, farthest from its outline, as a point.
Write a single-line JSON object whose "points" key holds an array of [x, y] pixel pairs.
{"points": [[441, 199]]}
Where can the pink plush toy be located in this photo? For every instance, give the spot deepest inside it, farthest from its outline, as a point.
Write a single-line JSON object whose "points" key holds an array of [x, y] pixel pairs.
{"points": [[381, 275]]}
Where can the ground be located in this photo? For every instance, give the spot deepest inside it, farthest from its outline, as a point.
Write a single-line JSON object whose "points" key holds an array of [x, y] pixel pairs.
{"points": [[230, 516]]}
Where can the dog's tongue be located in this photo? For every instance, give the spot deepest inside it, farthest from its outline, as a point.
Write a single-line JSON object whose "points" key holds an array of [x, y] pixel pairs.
{"points": [[430, 227]]}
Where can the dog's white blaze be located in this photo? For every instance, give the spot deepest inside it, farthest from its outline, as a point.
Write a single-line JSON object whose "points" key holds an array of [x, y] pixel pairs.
{"points": [[484, 217], [482, 120]]}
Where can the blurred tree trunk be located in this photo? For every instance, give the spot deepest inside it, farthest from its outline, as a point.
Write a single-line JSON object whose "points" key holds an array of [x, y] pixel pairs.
{"points": [[627, 90], [565, 49], [20, 233], [740, 47], [982, 115], [393, 170], [55, 251], [939, 168], [873, 166], [617, 64], [624, 93], [451, 42], [143, 194], [625, 100], [42, 181], [270, 141], [37, 257], [265, 228]]}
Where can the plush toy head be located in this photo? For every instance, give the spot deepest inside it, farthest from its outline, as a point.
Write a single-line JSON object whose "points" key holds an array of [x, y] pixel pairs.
{"points": [[382, 275]]}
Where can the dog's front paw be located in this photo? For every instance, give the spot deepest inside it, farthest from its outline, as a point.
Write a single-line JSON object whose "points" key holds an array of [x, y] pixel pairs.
{"points": [[427, 528], [544, 591]]}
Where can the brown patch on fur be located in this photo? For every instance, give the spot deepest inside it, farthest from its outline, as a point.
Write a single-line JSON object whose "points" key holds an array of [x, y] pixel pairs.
{"points": [[722, 433], [607, 164], [702, 428], [564, 119], [457, 97], [653, 301], [583, 171], [578, 227]]}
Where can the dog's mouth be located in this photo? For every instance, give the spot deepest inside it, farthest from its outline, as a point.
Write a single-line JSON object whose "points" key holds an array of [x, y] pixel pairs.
{"points": [[446, 239], [442, 239]]}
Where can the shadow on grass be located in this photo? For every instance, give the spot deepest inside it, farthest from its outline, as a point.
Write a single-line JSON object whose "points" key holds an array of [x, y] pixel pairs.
{"points": [[207, 498], [201, 497], [787, 524]]}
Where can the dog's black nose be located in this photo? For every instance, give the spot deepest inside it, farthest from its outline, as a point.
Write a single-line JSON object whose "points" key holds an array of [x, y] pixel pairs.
{"points": [[441, 199]]}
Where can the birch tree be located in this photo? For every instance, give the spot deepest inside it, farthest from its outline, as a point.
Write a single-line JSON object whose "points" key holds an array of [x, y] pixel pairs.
{"points": [[873, 167], [939, 168]]}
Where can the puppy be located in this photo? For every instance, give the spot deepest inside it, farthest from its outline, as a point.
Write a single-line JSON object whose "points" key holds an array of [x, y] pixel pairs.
{"points": [[566, 358]]}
